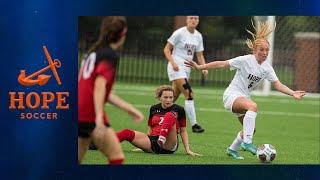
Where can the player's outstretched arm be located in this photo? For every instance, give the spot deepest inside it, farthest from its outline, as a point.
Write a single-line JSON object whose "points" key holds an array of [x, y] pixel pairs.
{"points": [[201, 60], [284, 89], [211, 65], [185, 141], [122, 104]]}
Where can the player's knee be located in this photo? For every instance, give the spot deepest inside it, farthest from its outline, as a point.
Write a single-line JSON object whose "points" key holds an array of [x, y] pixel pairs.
{"points": [[187, 91], [170, 118], [171, 114]]}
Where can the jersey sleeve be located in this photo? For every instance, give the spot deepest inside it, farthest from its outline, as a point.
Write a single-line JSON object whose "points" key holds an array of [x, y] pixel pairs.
{"points": [[106, 69], [271, 75], [237, 62], [174, 38], [200, 48]]}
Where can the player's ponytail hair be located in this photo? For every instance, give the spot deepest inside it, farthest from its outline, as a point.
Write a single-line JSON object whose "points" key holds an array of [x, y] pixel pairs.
{"points": [[112, 29], [162, 88], [262, 31]]}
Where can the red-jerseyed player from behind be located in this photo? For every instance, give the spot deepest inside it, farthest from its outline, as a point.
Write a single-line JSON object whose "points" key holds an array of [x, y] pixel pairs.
{"points": [[96, 78], [166, 121]]}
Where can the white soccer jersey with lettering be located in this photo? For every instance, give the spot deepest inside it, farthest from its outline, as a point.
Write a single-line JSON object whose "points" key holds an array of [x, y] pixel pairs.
{"points": [[184, 45], [248, 76]]}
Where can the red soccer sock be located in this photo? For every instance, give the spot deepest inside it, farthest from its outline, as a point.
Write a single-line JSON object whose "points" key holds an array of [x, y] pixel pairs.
{"points": [[125, 134], [168, 122], [116, 162]]}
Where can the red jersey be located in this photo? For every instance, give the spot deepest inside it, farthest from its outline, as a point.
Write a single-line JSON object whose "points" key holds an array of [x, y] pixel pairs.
{"points": [[102, 62], [156, 117]]}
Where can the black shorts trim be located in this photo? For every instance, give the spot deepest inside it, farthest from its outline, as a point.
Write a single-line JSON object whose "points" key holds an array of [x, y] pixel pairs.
{"points": [[156, 148], [85, 129]]}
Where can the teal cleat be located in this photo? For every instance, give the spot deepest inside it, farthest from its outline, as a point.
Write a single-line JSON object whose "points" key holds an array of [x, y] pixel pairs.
{"points": [[249, 147], [234, 154], [242, 147]]}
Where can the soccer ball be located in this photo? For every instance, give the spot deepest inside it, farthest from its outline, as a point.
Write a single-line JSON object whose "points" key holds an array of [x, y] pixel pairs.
{"points": [[266, 153]]}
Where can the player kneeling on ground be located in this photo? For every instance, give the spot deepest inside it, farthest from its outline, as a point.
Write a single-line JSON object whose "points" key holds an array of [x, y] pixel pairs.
{"points": [[166, 121]]}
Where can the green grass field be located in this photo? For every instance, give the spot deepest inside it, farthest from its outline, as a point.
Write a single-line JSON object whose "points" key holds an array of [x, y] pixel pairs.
{"points": [[291, 126]]}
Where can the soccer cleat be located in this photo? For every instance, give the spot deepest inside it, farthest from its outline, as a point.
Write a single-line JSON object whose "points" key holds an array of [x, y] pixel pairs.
{"points": [[197, 129], [242, 147], [234, 154], [249, 147]]}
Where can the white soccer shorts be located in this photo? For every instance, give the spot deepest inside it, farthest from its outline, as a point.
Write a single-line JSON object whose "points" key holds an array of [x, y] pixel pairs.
{"points": [[228, 99], [183, 73]]}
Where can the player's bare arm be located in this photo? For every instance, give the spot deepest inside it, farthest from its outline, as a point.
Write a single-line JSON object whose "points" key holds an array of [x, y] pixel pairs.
{"points": [[211, 65], [168, 54], [185, 141], [122, 104], [98, 97], [284, 89], [201, 61]]}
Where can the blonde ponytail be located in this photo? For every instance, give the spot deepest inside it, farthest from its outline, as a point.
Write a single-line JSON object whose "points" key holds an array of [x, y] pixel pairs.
{"points": [[262, 31]]}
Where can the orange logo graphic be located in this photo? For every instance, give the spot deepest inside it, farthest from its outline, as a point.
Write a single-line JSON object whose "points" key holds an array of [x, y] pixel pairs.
{"points": [[42, 79]]}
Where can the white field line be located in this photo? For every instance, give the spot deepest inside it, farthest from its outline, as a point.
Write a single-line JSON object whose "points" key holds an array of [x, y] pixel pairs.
{"points": [[205, 91], [216, 96], [308, 115]]}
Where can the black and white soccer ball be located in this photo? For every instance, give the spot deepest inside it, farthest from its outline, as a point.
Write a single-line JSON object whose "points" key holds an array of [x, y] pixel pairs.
{"points": [[266, 153]]}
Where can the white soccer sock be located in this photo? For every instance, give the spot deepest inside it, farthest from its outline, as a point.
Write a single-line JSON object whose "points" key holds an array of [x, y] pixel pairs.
{"points": [[162, 139], [249, 122], [190, 110], [236, 142]]}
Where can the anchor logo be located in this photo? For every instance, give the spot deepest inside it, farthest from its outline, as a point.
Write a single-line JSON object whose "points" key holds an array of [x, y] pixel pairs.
{"points": [[42, 79]]}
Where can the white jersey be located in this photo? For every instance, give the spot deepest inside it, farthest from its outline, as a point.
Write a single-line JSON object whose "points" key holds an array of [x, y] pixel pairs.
{"points": [[185, 44], [249, 74]]}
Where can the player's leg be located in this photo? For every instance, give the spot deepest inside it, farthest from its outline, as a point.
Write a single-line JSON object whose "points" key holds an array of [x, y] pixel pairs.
{"points": [[167, 128], [107, 142], [176, 90], [237, 141], [241, 133], [172, 141], [232, 150], [240, 118], [83, 144], [244, 105], [189, 107], [136, 138]]}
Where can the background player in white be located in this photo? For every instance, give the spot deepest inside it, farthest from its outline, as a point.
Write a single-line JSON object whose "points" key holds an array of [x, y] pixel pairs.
{"points": [[180, 47], [251, 70]]}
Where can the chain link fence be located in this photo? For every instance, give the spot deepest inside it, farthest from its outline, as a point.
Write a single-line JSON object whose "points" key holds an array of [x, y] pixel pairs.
{"points": [[295, 59]]}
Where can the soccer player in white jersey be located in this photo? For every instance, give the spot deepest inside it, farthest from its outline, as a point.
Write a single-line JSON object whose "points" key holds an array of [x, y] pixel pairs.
{"points": [[251, 70], [181, 46]]}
